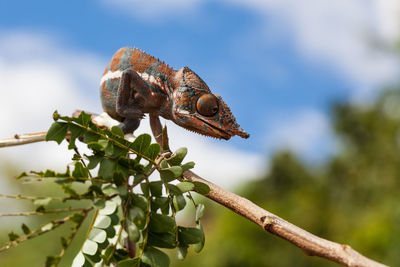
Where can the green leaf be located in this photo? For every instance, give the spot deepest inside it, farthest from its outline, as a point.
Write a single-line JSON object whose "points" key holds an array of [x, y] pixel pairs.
{"points": [[109, 149], [25, 229], [185, 186], [102, 222], [111, 190], [137, 216], [22, 175], [133, 232], [177, 157], [56, 116], [57, 132], [163, 240], [145, 188], [99, 203], [173, 189], [94, 258], [90, 247], [95, 146], [159, 202], [189, 235], [69, 191], [108, 253], [187, 166], [47, 227], [110, 231], [114, 219], [107, 167], [155, 257], [141, 143], [199, 211], [199, 246], [94, 160], [119, 178], [170, 174], [97, 235], [103, 143], [40, 209], [164, 164], [75, 132], [83, 119], [110, 208], [201, 188], [12, 236], [161, 223], [152, 151], [117, 131], [77, 218], [42, 202], [52, 261], [139, 201], [156, 188], [179, 202], [81, 261], [90, 137], [182, 252], [80, 171], [118, 152], [64, 242]]}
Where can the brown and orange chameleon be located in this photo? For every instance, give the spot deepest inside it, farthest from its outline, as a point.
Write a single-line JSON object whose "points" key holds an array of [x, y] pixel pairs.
{"points": [[135, 83]]}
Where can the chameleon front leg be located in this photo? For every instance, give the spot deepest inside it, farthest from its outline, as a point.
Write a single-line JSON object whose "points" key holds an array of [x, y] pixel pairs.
{"points": [[156, 128], [129, 103]]}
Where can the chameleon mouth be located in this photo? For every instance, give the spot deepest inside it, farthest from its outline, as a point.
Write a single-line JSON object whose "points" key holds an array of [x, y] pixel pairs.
{"points": [[217, 132]]}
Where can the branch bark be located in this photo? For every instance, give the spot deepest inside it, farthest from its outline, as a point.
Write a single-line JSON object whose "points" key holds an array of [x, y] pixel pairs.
{"points": [[23, 139], [311, 244]]}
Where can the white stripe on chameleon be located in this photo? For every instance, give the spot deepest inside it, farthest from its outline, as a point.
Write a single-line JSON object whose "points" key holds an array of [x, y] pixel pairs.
{"points": [[117, 74], [110, 75]]}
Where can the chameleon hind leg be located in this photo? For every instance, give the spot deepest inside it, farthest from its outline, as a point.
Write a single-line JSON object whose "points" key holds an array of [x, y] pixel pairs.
{"points": [[129, 104]]}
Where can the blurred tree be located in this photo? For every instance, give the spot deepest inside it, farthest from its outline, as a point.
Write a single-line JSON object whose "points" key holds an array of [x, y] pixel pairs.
{"points": [[352, 198]]}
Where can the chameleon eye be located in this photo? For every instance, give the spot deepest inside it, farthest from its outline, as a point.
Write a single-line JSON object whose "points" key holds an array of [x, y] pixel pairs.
{"points": [[207, 105]]}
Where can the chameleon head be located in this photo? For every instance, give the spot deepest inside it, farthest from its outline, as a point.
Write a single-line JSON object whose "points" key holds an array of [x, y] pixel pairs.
{"points": [[197, 109]]}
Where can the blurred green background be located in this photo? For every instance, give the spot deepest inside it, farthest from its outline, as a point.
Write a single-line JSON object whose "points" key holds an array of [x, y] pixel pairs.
{"points": [[351, 198]]}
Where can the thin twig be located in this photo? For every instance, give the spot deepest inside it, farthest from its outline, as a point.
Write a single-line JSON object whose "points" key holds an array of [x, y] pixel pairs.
{"points": [[30, 213], [51, 198], [21, 139], [45, 228]]}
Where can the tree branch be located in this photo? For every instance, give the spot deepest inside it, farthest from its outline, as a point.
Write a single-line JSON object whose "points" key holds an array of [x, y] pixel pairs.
{"points": [[312, 245], [23, 139]]}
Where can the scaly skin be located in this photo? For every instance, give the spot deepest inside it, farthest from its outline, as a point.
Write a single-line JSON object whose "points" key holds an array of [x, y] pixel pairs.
{"points": [[135, 83]]}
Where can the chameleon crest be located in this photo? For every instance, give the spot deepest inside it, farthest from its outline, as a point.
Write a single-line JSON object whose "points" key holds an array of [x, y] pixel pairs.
{"points": [[135, 83]]}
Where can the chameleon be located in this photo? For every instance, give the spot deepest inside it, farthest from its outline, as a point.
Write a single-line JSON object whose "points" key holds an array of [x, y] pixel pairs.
{"points": [[135, 83]]}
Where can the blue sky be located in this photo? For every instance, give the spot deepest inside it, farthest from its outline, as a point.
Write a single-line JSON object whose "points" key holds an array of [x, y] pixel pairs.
{"points": [[278, 64]]}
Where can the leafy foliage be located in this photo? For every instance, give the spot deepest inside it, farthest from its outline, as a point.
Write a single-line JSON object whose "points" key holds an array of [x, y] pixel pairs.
{"points": [[128, 228]]}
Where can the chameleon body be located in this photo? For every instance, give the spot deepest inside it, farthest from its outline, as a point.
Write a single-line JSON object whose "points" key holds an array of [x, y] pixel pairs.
{"points": [[135, 83]]}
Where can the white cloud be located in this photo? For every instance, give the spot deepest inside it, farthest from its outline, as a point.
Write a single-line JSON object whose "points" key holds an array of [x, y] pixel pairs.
{"points": [[308, 134], [38, 76], [340, 33]]}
